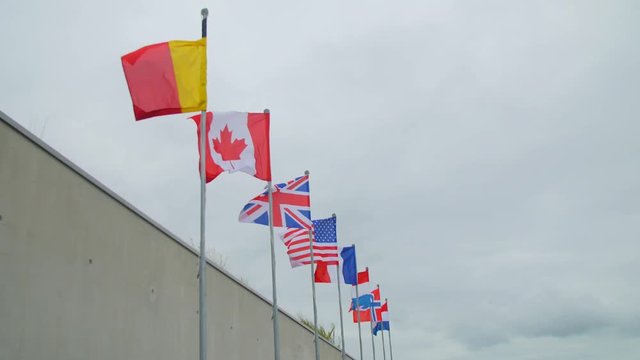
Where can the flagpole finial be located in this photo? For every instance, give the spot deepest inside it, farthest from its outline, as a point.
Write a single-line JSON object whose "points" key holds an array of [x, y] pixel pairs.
{"points": [[377, 285], [306, 172], [204, 12], [266, 111], [333, 215]]}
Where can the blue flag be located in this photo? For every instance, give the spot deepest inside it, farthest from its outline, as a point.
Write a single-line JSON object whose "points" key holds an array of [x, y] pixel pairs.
{"points": [[380, 326], [324, 230], [349, 269]]}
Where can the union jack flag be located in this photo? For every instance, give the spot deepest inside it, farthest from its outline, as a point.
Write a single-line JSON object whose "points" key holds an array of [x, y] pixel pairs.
{"points": [[291, 206]]}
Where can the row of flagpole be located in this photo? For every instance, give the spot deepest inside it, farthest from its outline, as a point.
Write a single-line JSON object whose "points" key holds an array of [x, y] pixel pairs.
{"points": [[153, 97], [357, 307]]}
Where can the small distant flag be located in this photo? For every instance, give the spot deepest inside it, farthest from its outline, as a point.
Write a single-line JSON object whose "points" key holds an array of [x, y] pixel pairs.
{"points": [[363, 276], [382, 319], [349, 268], [365, 298], [376, 295], [236, 141], [321, 274], [366, 313], [291, 206], [167, 78]]}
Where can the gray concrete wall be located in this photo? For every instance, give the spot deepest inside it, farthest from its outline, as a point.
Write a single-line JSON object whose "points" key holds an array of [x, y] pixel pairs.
{"points": [[84, 275]]}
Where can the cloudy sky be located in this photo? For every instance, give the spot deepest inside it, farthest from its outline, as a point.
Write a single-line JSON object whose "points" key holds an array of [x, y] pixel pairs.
{"points": [[483, 156]]}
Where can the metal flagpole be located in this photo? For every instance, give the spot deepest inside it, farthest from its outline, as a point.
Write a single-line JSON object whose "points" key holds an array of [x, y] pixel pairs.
{"points": [[340, 303], [357, 309], [384, 352], [274, 315], [201, 265], [373, 344], [390, 348], [371, 318], [384, 355], [313, 291]]}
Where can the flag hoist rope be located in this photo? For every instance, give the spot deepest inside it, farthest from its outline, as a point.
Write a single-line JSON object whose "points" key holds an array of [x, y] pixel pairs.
{"points": [[201, 265], [274, 315]]}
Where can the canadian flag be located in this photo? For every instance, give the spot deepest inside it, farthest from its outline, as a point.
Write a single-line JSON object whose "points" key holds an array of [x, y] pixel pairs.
{"points": [[236, 141]]}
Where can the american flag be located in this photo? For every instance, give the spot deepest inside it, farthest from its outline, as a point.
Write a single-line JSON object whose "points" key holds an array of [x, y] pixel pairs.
{"points": [[325, 244], [291, 206]]}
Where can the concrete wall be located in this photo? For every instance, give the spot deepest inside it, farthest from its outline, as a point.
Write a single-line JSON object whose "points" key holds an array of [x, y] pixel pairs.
{"points": [[84, 275]]}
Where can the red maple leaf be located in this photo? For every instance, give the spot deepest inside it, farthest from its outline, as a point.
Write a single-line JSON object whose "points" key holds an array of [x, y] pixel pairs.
{"points": [[229, 150]]}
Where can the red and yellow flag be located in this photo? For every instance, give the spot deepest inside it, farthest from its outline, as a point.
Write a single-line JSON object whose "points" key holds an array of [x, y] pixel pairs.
{"points": [[167, 78]]}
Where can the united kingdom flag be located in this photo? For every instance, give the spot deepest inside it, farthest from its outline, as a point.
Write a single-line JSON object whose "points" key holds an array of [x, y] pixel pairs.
{"points": [[291, 206]]}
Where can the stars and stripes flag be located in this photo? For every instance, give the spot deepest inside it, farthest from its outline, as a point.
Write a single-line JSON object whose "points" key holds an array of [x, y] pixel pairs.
{"points": [[325, 243], [291, 206]]}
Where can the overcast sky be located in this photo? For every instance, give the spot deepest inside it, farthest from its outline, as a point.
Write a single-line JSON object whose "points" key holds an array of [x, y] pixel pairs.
{"points": [[482, 155]]}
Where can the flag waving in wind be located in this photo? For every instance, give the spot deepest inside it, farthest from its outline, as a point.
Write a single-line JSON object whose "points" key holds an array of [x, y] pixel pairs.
{"points": [[373, 299], [349, 266], [382, 319], [365, 299], [321, 275], [325, 247], [167, 78], [236, 141], [291, 206]]}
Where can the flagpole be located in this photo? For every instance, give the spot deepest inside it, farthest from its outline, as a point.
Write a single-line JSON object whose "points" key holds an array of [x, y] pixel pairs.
{"points": [[313, 291], [357, 309], [373, 344], [201, 265], [371, 317], [390, 348], [274, 314], [384, 355], [340, 303], [384, 352]]}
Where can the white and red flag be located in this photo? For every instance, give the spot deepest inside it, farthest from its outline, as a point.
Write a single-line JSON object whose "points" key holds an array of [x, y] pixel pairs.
{"points": [[236, 141]]}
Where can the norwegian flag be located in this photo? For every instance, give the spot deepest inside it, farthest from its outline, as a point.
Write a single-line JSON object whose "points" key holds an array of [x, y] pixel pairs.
{"points": [[325, 243], [291, 206], [368, 309], [381, 319]]}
